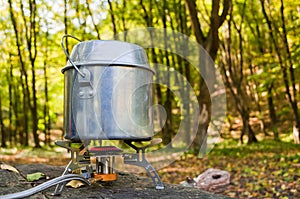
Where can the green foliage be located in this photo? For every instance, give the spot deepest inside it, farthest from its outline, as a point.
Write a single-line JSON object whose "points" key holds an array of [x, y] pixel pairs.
{"points": [[230, 148], [259, 71]]}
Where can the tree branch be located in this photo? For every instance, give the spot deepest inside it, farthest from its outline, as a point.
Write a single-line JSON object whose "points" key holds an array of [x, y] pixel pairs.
{"points": [[227, 5], [191, 6]]}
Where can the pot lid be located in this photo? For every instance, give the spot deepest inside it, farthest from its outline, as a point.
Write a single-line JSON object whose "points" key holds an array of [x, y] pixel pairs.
{"points": [[108, 53]]}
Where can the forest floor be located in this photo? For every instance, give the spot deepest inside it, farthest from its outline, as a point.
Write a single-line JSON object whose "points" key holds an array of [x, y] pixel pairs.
{"points": [[267, 169]]}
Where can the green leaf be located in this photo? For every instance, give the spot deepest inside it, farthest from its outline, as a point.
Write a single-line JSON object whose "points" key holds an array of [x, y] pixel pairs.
{"points": [[35, 176]]}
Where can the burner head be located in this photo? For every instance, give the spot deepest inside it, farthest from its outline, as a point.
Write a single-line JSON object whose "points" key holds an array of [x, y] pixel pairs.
{"points": [[105, 150]]}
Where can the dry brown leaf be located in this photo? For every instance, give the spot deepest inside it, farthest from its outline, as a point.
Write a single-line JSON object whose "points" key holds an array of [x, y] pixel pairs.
{"points": [[75, 184], [8, 168]]}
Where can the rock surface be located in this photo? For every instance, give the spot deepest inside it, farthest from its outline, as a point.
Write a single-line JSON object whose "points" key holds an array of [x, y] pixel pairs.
{"points": [[127, 186]]}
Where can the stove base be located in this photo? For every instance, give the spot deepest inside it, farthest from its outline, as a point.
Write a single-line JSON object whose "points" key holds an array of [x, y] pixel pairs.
{"points": [[103, 169]]}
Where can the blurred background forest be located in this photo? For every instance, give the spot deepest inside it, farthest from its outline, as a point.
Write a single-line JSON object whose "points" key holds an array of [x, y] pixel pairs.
{"points": [[255, 45]]}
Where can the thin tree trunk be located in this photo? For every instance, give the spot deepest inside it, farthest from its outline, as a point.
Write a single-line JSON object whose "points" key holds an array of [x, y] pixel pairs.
{"points": [[167, 130], [113, 20], [81, 15], [47, 120], [244, 107], [183, 66], [257, 99], [23, 73], [2, 129], [24, 121], [147, 15], [233, 74], [66, 25], [247, 127], [293, 101], [262, 48], [31, 38], [93, 20], [125, 29], [10, 97], [272, 113], [292, 98]]}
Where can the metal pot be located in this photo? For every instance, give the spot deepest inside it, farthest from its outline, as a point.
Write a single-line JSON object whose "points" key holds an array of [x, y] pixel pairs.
{"points": [[108, 92]]}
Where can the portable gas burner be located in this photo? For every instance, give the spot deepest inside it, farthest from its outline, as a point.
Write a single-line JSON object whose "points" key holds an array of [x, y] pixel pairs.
{"points": [[107, 96]]}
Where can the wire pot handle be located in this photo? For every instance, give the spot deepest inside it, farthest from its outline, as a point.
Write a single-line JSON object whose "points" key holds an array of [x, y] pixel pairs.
{"points": [[64, 38]]}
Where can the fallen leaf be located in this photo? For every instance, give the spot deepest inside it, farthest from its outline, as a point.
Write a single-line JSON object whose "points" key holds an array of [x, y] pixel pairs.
{"points": [[75, 184], [35, 176], [8, 168]]}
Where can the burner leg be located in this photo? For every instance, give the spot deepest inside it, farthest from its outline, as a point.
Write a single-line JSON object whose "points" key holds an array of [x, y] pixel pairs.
{"points": [[59, 188], [77, 161], [153, 174], [138, 159]]}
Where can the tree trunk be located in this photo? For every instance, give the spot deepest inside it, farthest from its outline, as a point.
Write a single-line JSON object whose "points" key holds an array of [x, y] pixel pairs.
{"points": [[113, 20], [23, 72], [211, 45], [183, 66], [272, 113], [125, 29], [257, 99], [92, 17], [66, 24], [204, 119], [234, 80], [262, 49], [2, 129], [147, 16], [47, 120], [247, 128], [31, 39], [291, 95], [10, 97], [293, 100], [24, 121], [243, 106], [167, 130]]}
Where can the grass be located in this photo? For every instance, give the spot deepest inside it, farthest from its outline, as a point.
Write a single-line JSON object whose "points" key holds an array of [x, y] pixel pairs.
{"points": [[233, 149]]}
